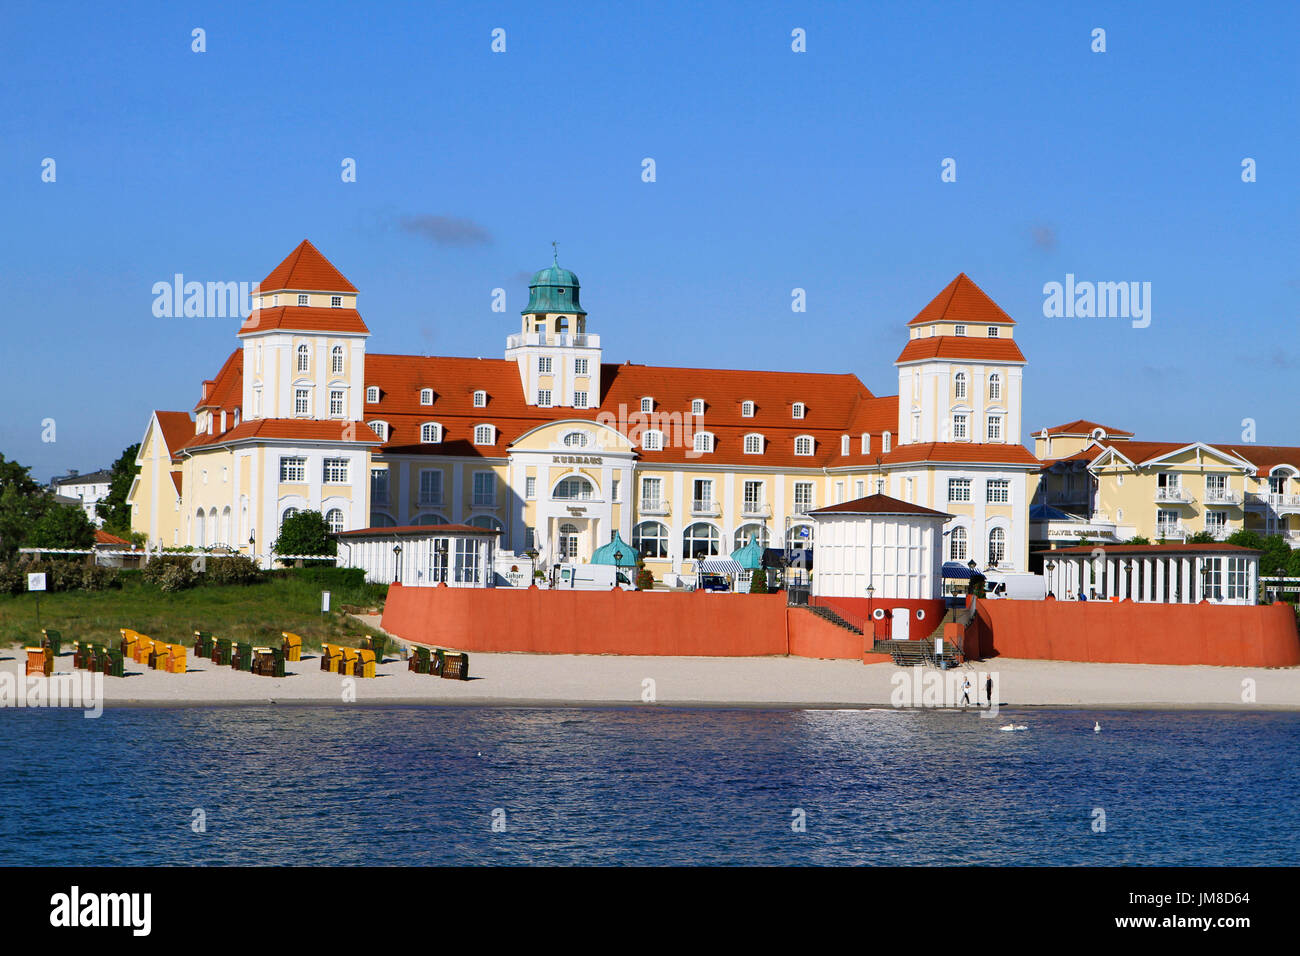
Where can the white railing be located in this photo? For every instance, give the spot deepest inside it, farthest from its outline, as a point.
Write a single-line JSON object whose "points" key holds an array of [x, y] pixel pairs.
{"points": [[654, 506], [563, 339], [1174, 530], [1174, 494], [755, 509], [802, 508], [704, 506], [1223, 497]]}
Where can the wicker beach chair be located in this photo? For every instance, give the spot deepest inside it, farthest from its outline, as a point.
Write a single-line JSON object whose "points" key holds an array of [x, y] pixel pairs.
{"points": [[364, 665], [291, 645], [53, 640], [40, 662]]}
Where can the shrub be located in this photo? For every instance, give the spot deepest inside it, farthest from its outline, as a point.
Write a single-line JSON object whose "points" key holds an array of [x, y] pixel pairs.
{"points": [[327, 576], [97, 578], [304, 532], [235, 569], [171, 573], [758, 582], [645, 579]]}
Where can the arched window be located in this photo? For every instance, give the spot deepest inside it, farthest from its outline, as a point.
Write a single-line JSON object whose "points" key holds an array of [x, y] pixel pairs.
{"points": [[995, 386], [574, 486], [568, 542], [997, 546], [334, 519], [198, 530], [288, 513], [650, 538], [753, 444], [428, 519], [959, 386], [430, 433], [697, 406], [747, 409], [803, 445], [957, 545], [575, 440], [483, 435], [380, 429], [304, 357], [336, 360], [486, 521], [225, 525], [426, 396], [380, 520], [747, 531], [214, 529], [703, 441], [700, 541]]}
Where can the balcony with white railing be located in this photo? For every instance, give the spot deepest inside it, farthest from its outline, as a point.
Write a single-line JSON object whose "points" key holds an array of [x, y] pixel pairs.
{"points": [[1275, 502], [1223, 497], [705, 507], [581, 340], [1175, 529], [654, 506], [800, 508], [1174, 495], [755, 509], [1220, 532]]}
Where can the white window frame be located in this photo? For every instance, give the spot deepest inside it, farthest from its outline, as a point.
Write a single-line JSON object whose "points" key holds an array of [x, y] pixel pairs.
{"points": [[997, 491], [426, 396], [303, 393], [372, 394], [303, 361], [304, 299], [754, 444], [342, 398], [480, 399], [490, 435], [798, 410], [844, 444], [380, 428], [652, 440], [580, 366], [747, 409], [543, 365], [579, 399], [339, 468], [543, 398], [703, 441], [428, 437], [959, 490], [647, 404], [337, 359], [992, 426], [804, 442], [336, 302], [697, 406], [291, 465]]}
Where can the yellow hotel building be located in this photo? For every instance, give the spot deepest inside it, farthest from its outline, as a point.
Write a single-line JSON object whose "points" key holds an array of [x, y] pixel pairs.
{"points": [[1103, 484], [557, 449]]}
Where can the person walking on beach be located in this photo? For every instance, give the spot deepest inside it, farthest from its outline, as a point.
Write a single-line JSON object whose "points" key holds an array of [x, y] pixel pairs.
{"points": [[988, 689], [965, 691]]}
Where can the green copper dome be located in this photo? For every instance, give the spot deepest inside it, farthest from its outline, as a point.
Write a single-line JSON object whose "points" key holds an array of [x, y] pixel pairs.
{"points": [[554, 290], [606, 552]]}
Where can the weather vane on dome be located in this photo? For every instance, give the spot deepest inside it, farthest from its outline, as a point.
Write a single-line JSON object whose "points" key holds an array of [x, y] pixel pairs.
{"points": [[555, 251]]}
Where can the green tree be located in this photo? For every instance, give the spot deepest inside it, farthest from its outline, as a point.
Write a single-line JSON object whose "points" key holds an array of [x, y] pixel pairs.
{"points": [[62, 526], [1276, 557], [22, 502], [113, 510], [304, 532], [1246, 539], [1201, 537], [1293, 564], [758, 582], [1138, 539]]}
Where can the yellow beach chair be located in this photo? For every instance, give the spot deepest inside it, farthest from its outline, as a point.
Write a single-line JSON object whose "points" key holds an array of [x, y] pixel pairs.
{"points": [[365, 663], [158, 655], [176, 660], [143, 646], [292, 646], [331, 657], [349, 663], [129, 641]]}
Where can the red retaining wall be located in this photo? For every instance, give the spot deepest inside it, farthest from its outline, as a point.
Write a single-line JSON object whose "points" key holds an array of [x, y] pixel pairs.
{"points": [[1130, 633], [672, 623], [919, 629]]}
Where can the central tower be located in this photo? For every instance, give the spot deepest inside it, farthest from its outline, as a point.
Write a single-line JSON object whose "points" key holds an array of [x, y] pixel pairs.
{"points": [[559, 361]]}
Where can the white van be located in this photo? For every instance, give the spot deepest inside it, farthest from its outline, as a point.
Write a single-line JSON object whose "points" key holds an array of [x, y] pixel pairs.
{"points": [[1023, 587], [591, 577]]}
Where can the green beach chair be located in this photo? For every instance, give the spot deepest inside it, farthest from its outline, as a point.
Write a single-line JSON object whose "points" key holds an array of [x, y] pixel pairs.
{"points": [[53, 640], [221, 651], [114, 662], [203, 644], [419, 661], [378, 643], [242, 656]]}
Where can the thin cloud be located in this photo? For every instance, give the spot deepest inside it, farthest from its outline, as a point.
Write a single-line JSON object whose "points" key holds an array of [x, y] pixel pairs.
{"points": [[1044, 237], [447, 230]]}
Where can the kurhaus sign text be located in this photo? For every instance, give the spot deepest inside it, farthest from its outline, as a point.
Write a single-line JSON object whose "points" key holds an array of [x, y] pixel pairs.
{"points": [[575, 460]]}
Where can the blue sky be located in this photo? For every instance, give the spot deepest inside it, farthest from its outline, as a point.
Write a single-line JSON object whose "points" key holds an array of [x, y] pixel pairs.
{"points": [[775, 170]]}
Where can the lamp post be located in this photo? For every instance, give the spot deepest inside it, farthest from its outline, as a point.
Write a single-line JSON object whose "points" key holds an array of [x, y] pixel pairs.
{"points": [[618, 560], [871, 621], [397, 562], [1051, 567]]}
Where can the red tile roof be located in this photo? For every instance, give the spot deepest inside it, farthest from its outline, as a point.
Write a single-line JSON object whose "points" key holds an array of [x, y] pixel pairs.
{"points": [[302, 318], [1266, 457], [177, 428], [418, 529], [963, 301], [227, 390], [292, 429], [977, 453], [880, 505], [973, 347], [306, 270], [176, 480], [103, 537], [1084, 427]]}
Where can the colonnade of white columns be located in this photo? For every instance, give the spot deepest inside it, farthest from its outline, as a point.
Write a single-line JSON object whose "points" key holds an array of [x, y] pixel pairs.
{"points": [[1147, 578]]}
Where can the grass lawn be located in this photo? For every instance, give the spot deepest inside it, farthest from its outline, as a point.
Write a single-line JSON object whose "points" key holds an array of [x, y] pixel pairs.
{"points": [[256, 612]]}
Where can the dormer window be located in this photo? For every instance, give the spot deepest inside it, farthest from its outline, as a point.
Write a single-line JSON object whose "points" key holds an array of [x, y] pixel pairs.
{"points": [[426, 396], [304, 357], [380, 429], [647, 404], [336, 302], [480, 399], [697, 406], [798, 410], [753, 444], [803, 445], [302, 298], [885, 441], [959, 330], [652, 440], [484, 435], [993, 331], [746, 409], [430, 433], [844, 444], [866, 443], [703, 441], [372, 394]]}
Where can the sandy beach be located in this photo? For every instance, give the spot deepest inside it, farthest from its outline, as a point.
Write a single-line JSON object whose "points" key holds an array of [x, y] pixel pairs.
{"points": [[781, 682]]}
